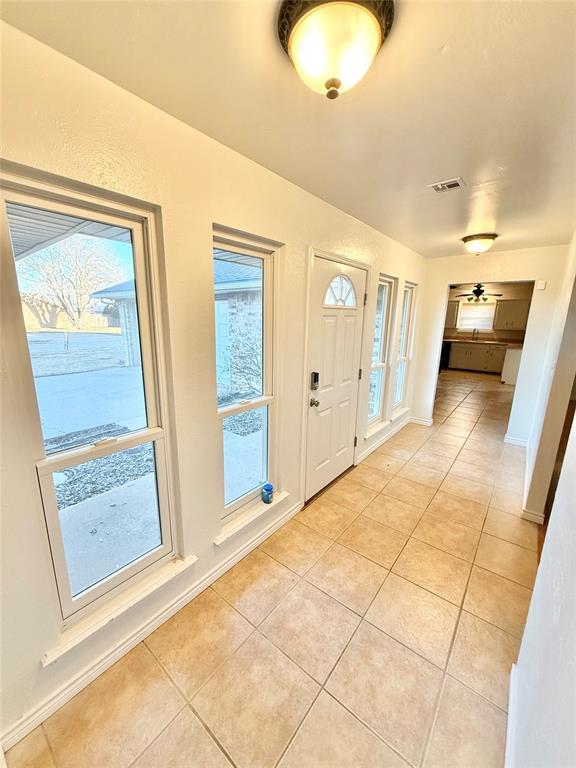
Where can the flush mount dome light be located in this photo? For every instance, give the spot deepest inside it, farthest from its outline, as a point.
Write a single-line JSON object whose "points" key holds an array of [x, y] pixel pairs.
{"points": [[479, 243], [333, 44]]}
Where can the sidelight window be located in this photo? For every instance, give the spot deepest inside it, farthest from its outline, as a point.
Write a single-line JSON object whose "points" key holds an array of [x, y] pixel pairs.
{"points": [[243, 306], [404, 345], [380, 349]]}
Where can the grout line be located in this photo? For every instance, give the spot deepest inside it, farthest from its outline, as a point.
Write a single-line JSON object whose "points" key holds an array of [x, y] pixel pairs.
{"points": [[139, 755]]}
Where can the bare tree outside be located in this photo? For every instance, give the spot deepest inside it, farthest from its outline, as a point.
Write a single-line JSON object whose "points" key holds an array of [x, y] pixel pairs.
{"points": [[66, 273]]}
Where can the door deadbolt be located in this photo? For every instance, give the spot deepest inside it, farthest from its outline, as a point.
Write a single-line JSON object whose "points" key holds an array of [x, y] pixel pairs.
{"points": [[314, 403]]}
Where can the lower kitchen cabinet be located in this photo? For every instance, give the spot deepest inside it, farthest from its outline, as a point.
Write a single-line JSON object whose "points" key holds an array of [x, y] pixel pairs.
{"points": [[477, 357]]}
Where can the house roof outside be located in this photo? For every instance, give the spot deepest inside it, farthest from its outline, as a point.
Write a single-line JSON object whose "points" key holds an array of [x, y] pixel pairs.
{"points": [[228, 275]]}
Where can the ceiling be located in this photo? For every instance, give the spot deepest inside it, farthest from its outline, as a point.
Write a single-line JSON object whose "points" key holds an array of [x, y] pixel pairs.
{"points": [[481, 90]]}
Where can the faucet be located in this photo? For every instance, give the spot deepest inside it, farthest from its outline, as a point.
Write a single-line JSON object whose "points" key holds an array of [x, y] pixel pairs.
{"points": [[475, 334]]}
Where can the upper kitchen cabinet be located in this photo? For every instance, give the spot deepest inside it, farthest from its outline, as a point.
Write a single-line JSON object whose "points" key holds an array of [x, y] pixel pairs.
{"points": [[451, 315], [511, 315]]}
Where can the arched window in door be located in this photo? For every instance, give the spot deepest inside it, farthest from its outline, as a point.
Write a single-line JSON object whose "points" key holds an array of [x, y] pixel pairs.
{"points": [[340, 293]]}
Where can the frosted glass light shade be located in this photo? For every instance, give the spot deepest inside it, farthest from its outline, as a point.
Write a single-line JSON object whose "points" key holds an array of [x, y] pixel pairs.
{"points": [[479, 243], [333, 45]]}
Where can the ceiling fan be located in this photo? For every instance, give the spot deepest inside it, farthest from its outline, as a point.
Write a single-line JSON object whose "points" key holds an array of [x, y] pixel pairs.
{"points": [[477, 294]]}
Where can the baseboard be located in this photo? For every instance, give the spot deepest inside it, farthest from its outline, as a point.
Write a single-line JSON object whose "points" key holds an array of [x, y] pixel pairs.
{"points": [[394, 427], [515, 441], [509, 759], [52, 703], [533, 517], [423, 422]]}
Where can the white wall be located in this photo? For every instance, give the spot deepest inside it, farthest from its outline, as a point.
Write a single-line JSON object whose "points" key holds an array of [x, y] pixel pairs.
{"points": [[61, 118], [559, 369], [542, 713], [545, 263]]}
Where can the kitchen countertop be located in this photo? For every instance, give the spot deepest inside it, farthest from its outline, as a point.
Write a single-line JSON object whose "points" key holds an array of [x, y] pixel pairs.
{"points": [[507, 344]]}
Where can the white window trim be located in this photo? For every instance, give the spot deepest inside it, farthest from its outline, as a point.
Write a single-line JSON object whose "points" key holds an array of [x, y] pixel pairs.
{"points": [[268, 398], [405, 355], [141, 223], [383, 363]]}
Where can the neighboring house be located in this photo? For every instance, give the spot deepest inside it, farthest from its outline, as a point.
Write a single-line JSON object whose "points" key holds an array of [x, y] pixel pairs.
{"points": [[123, 298]]}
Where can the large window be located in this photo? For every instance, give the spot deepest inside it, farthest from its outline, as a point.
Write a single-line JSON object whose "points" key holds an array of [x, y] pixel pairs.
{"points": [[380, 349], [83, 292], [243, 302], [476, 317], [404, 345]]}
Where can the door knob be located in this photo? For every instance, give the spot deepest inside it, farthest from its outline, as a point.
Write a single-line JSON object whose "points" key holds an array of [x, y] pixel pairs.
{"points": [[314, 403]]}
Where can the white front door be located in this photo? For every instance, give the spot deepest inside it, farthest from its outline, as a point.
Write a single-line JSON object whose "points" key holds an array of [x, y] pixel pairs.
{"points": [[335, 340]]}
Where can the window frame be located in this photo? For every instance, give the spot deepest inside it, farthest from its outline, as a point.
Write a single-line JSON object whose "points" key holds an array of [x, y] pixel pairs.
{"points": [[152, 340], [268, 398], [383, 362], [404, 355]]}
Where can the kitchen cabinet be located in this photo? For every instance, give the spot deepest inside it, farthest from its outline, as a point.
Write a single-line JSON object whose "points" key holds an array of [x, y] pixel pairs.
{"points": [[452, 315], [511, 315], [478, 357]]}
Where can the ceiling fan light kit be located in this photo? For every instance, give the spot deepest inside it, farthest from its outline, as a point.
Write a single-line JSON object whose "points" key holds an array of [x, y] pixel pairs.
{"points": [[332, 44], [479, 243]]}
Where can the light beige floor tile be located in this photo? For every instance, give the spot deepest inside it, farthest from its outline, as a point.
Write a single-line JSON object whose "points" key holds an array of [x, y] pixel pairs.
{"points": [[451, 435], [510, 481], [369, 476], [512, 528], [441, 573], [31, 752], [325, 517], [468, 732], [508, 560], [497, 600], [433, 459], [311, 628], [116, 717], [507, 501], [393, 513], [459, 540], [350, 494], [255, 585], [480, 453], [255, 702], [407, 490], [390, 688], [444, 449], [482, 657], [460, 427], [373, 540], [384, 462], [347, 577], [471, 472], [333, 738], [193, 643], [422, 473], [399, 452], [467, 489], [415, 617], [296, 546], [185, 743], [457, 510]]}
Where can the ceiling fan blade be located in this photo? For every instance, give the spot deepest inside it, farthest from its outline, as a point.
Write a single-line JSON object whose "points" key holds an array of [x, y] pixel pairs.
{"points": [[463, 295], [493, 294]]}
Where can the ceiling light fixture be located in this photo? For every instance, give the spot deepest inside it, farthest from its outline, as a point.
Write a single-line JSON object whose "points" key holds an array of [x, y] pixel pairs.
{"points": [[333, 44], [479, 243]]}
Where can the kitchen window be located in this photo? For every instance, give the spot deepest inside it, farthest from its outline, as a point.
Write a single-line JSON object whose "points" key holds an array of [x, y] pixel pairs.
{"points": [[404, 345], [379, 360], [476, 317], [84, 285], [243, 322]]}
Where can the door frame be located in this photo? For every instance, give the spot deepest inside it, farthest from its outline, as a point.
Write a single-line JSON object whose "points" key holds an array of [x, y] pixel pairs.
{"points": [[311, 254]]}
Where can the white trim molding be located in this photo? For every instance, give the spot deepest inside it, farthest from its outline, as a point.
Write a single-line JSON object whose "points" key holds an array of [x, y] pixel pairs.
{"points": [[515, 441]]}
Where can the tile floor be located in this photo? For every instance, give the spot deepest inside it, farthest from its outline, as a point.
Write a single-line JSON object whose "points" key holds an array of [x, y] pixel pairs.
{"points": [[375, 629]]}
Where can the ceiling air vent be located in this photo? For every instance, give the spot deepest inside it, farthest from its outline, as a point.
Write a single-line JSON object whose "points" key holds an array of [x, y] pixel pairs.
{"points": [[446, 186]]}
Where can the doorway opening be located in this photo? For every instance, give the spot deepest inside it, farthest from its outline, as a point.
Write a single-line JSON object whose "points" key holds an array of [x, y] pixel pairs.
{"points": [[484, 331]]}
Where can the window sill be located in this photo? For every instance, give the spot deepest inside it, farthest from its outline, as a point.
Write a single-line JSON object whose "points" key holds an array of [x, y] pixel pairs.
{"points": [[376, 428], [248, 516], [85, 628]]}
